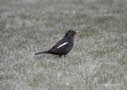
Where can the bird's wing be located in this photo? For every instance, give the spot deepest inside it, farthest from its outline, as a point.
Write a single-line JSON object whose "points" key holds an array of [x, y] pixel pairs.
{"points": [[62, 44]]}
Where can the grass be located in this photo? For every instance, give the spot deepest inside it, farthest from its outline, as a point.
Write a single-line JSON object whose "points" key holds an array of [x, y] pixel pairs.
{"points": [[98, 60]]}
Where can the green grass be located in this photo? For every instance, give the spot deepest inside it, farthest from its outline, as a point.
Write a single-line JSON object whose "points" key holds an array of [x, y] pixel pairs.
{"points": [[98, 60]]}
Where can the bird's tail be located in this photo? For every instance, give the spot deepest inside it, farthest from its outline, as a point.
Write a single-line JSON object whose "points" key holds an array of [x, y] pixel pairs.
{"points": [[41, 52]]}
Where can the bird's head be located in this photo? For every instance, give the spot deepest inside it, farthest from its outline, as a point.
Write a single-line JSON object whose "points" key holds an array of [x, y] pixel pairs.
{"points": [[70, 34]]}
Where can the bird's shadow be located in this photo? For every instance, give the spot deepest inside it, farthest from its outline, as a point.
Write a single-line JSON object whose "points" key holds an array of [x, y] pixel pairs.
{"points": [[49, 55]]}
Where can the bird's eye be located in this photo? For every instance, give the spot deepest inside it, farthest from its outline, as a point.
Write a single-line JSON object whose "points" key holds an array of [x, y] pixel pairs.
{"points": [[72, 34]]}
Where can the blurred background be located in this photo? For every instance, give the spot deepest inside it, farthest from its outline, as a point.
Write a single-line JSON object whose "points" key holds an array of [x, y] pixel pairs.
{"points": [[98, 60]]}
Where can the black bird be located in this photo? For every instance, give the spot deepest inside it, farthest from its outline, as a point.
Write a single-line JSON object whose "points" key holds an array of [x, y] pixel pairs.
{"points": [[64, 46]]}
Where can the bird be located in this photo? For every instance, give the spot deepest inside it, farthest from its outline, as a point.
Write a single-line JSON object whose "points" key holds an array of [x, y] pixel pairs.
{"points": [[62, 47]]}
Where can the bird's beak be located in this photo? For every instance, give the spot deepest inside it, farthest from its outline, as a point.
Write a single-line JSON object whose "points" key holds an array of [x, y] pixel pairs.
{"points": [[77, 32]]}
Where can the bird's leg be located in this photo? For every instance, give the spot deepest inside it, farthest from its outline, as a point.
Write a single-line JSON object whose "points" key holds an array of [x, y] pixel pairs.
{"points": [[60, 56], [64, 55]]}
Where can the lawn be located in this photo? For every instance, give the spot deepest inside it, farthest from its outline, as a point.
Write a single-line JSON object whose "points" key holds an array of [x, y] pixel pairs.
{"points": [[98, 60]]}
